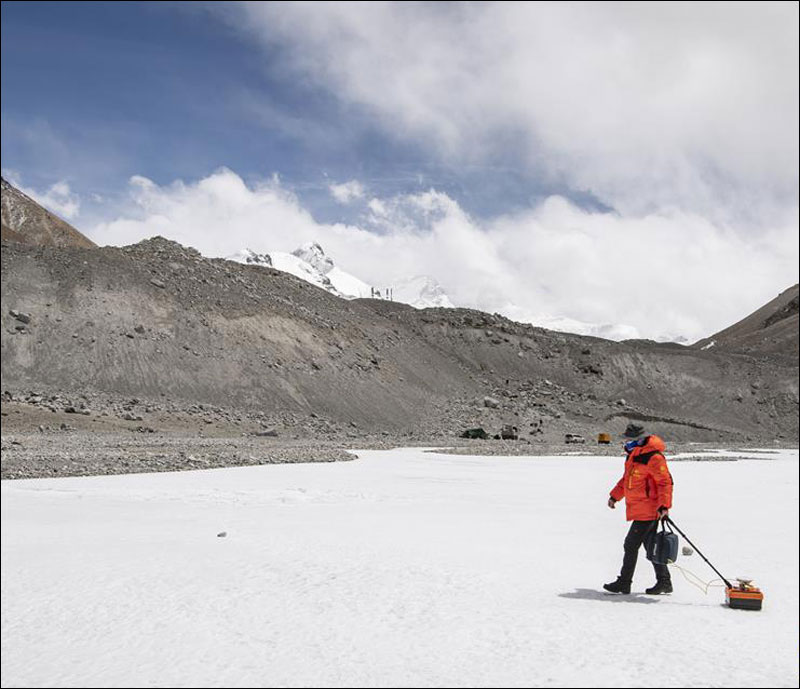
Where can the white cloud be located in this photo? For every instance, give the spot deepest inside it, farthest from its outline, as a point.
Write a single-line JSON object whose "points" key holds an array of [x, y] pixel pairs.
{"points": [[377, 208], [347, 192], [58, 198], [682, 117], [651, 106], [653, 274]]}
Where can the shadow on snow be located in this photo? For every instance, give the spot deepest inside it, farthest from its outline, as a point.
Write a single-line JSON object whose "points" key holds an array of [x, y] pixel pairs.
{"points": [[591, 594]]}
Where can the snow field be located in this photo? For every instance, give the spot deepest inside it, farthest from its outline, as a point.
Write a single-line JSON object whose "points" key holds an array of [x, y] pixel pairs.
{"points": [[402, 568]]}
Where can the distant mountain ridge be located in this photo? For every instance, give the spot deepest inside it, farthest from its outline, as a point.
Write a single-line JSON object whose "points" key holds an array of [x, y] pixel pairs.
{"points": [[770, 330], [27, 222], [309, 262]]}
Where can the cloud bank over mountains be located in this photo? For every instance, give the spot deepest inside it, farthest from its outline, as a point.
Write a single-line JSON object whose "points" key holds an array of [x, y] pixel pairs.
{"points": [[657, 275]]}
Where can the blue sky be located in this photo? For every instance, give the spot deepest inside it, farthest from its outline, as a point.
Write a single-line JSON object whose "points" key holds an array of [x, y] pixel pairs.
{"points": [[95, 92], [519, 153]]}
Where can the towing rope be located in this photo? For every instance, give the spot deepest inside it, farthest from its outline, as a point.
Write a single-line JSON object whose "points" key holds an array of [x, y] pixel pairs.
{"points": [[694, 580]]}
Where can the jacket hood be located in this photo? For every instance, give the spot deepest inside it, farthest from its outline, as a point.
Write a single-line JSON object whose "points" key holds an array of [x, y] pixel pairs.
{"points": [[653, 444]]}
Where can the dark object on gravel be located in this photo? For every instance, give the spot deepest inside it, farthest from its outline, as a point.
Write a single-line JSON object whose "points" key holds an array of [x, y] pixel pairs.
{"points": [[20, 316], [473, 433], [509, 433]]}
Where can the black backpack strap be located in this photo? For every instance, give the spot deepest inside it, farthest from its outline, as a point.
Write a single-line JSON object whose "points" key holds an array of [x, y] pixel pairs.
{"points": [[645, 457]]}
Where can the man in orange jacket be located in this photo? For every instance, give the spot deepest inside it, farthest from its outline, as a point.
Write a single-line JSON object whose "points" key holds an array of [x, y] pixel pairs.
{"points": [[646, 487]]}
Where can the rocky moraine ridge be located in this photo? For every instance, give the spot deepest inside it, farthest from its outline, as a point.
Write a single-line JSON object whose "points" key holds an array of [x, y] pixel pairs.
{"points": [[156, 340]]}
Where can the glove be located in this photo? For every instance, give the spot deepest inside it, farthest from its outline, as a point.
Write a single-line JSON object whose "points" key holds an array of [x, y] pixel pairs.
{"points": [[663, 512], [612, 503]]}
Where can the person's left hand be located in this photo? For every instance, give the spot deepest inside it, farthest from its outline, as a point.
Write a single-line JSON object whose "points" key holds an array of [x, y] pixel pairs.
{"points": [[663, 512]]}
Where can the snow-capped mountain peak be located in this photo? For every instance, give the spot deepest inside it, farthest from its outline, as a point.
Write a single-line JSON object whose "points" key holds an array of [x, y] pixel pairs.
{"points": [[422, 292], [288, 263], [250, 256], [313, 254], [310, 263]]}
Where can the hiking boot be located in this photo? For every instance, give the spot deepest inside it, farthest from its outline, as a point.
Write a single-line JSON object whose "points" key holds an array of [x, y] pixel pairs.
{"points": [[660, 588], [618, 586]]}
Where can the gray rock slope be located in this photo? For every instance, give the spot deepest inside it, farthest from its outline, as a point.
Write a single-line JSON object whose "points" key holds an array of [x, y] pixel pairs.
{"points": [[157, 320], [769, 332], [24, 220]]}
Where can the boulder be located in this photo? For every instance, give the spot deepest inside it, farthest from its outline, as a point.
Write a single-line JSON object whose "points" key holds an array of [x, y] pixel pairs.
{"points": [[20, 316], [509, 432], [475, 433]]}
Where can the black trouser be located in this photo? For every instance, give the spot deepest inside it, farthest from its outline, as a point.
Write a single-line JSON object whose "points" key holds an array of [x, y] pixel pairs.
{"points": [[641, 533]]}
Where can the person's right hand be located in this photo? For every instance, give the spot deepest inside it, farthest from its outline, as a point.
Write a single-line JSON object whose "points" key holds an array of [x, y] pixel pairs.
{"points": [[612, 503]]}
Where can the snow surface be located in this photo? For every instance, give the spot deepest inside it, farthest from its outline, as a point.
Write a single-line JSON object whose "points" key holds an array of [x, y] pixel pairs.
{"points": [[348, 285], [289, 263], [401, 568]]}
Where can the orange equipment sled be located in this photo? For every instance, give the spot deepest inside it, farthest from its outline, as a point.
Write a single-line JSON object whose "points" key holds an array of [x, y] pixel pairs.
{"points": [[743, 596]]}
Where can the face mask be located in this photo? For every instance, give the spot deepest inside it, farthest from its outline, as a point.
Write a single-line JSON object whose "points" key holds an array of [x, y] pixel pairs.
{"points": [[630, 445]]}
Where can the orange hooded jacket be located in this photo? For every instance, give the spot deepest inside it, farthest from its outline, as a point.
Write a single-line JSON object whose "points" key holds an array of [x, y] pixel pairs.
{"points": [[646, 484]]}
